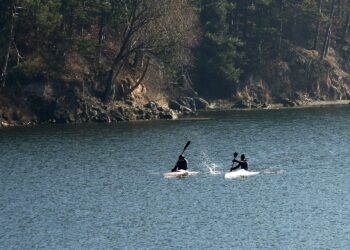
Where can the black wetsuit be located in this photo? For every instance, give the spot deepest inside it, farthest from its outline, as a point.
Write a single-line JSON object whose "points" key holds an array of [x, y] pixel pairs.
{"points": [[241, 164], [181, 164]]}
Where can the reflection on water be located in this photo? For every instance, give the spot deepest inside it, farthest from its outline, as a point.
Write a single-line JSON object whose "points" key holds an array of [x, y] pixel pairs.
{"points": [[102, 187]]}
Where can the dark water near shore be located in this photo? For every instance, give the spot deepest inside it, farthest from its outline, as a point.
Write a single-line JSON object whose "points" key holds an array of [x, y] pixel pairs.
{"points": [[101, 186]]}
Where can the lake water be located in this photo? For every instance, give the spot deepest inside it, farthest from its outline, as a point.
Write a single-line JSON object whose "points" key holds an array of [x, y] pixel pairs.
{"points": [[101, 186]]}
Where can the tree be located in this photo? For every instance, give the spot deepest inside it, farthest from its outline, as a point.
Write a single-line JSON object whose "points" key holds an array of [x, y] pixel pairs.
{"points": [[150, 28], [347, 21], [318, 25], [9, 10], [218, 52], [327, 38]]}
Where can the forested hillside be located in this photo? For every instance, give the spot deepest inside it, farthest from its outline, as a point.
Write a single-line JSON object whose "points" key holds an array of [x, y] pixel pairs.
{"points": [[274, 50], [82, 60]]}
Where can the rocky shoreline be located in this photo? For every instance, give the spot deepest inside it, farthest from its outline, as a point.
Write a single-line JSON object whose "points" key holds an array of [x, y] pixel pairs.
{"points": [[92, 111], [228, 105], [65, 111]]}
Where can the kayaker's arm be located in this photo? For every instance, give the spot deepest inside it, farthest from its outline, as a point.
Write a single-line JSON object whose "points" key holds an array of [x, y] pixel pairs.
{"points": [[243, 164], [180, 165], [176, 168], [233, 165], [240, 163], [234, 168]]}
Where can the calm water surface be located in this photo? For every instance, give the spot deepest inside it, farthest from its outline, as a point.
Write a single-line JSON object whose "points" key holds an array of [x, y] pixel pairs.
{"points": [[102, 187]]}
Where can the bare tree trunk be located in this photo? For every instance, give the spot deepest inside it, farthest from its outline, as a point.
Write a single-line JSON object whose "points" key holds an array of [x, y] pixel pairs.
{"points": [[260, 56], [346, 27], [101, 35], [329, 32], [139, 81], [70, 30], [231, 20], [113, 73], [237, 20], [245, 22], [82, 29], [294, 25], [137, 58], [281, 9], [115, 70], [62, 10], [280, 38], [318, 26], [17, 51], [123, 52], [11, 35]]}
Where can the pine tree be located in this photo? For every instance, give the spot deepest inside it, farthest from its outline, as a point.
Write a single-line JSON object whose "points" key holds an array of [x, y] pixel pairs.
{"points": [[218, 52]]}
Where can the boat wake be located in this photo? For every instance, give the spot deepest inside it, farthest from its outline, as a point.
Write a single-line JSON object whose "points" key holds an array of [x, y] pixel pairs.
{"points": [[213, 170], [273, 171]]}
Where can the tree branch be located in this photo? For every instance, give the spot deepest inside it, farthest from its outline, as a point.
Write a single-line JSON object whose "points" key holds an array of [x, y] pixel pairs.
{"points": [[139, 81]]}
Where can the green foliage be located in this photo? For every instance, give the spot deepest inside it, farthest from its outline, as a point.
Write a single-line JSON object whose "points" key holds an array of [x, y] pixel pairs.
{"points": [[44, 14], [237, 37], [240, 37], [32, 68], [85, 46], [218, 53]]}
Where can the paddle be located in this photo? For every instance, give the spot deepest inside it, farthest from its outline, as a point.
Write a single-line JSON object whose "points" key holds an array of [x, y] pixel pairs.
{"points": [[186, 146]]}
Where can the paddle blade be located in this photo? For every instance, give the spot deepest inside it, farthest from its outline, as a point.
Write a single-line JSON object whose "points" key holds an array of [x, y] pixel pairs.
{"points": [[235, 154], [186, 146]]}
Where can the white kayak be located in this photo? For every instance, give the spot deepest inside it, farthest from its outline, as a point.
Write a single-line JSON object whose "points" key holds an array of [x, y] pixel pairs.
{"points": [[180, 173], [239, 173]]}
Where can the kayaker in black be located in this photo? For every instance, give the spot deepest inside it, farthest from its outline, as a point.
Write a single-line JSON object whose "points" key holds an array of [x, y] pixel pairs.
{"points": [[243, 164], [181, 164]]}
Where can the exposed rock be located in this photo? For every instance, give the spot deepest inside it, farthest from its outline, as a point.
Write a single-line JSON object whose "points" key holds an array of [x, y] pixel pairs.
{"points": [[185, 105], [167, 115], [129, 102], [93, 112], [201, 103], [297, 77], [160, 109], [71, 118], [288, 103], [188, 102], [187, 111], [254, 105], [116, 115], [150, 115], [174, 105], [242, 104], [102, 117], [129, 115], [4, 123], [121, 110], [139, 111], [151, 105]]}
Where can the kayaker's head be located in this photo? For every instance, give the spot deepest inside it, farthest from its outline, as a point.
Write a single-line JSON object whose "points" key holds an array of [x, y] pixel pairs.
{"points": [[181, 157], [242, 157]]}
